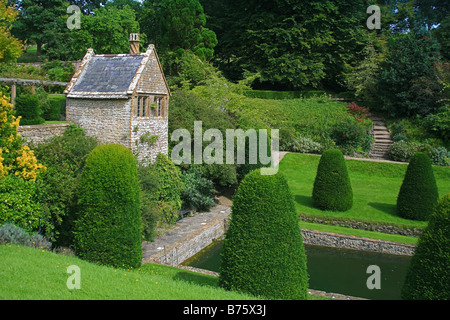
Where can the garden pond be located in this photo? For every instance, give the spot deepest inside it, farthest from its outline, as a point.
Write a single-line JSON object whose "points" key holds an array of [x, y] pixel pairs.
{"points": [[334, 270]]}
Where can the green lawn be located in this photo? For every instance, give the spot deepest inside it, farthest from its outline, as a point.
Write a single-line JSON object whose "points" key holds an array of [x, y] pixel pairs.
{"points": [[28, 273], [33, 274], [375, 189]]}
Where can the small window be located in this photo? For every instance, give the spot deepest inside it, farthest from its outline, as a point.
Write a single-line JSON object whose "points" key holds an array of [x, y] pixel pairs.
{"points": [[142, 106], [146, 107], [157, 107]]}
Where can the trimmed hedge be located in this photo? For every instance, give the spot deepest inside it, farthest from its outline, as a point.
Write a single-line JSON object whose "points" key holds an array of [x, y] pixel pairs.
{"points": [[28, 106], [108, 230], [332, 188], [418, 193], [428, 275], [263, 252], [281, 95]]}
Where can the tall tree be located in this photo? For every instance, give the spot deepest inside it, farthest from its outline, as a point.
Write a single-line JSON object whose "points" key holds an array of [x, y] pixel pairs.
{"points": [[106, 31], [179, 25], [41, 21], [291, 44], [408, 83]]}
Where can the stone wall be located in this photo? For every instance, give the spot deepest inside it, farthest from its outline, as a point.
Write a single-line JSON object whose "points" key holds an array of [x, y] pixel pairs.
{"points": [[40, 133], [356, 243], [106, 119], [111, 121]]}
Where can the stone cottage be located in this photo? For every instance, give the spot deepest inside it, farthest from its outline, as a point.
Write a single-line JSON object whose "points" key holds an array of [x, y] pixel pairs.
{"points": [[122, 98]]}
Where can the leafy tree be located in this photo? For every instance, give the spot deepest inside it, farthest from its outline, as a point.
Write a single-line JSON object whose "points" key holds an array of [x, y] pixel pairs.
{"points": [[289, 44], [179, 25], [108, 229], [43, 22], [332, 188], [107, 31], [408, 83], [443, 36], [263, 252], [428, 274], [418, 193], [10, 47]]}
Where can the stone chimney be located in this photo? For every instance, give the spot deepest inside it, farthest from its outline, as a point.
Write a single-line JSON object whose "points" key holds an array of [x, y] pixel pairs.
{"points": [[134, 43]]}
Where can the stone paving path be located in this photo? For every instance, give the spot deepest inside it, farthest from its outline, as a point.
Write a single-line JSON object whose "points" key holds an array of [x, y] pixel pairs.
{"points": [[182, 230]]}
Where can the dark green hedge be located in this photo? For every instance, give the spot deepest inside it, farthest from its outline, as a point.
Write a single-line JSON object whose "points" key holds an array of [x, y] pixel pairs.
{"points": [[280, 95], [418, 193], [28, 106], [332, 188], [428, 275], [108, 230], [263, 251]]}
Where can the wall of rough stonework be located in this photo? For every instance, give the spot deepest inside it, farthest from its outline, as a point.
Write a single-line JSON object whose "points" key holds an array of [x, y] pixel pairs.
{"points": [[356, 243], [106, 119], [111, 121], [158, 127], [41, 133], [152, 78]]}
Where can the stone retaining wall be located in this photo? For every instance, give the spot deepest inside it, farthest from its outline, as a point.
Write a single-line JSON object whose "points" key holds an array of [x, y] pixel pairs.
{"points": [[187, 247], [40, 133], [356, 243]]}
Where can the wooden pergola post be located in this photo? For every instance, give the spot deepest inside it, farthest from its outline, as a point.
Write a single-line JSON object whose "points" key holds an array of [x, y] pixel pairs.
{"points": [[13, 93]]}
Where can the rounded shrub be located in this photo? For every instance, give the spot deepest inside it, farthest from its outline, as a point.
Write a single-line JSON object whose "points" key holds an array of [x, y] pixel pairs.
{"points": [[428, 274], [263, 252], [418, 193], [332, 188], [108, 230]]}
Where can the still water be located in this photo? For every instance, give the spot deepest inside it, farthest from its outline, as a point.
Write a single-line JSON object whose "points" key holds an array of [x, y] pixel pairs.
{"points": [[334, 270]]}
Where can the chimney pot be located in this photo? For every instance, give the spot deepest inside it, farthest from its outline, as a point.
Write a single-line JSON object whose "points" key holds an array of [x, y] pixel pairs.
{"points": [[134, 43]]}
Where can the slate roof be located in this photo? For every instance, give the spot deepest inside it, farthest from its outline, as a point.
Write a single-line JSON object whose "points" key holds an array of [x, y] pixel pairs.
{"points": [[108, 74]]}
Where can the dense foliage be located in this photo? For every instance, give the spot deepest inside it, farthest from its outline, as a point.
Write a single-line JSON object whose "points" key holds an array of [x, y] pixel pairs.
{"points": [[18, 203], [28, 107], [108, 228], [10, 47], [408, 83], [429, 272], [418, 193], [332, 189], [161, 198], [263, 253], [64, 156], [15, 156]]}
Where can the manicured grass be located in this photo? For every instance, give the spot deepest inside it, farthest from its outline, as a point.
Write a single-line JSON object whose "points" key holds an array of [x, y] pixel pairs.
{"points": [[34, 274], [28, 274], [375, 189]]}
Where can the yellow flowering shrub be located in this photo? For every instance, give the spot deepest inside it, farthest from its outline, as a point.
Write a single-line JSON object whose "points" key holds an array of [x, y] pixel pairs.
{"points": [[15, 157]]}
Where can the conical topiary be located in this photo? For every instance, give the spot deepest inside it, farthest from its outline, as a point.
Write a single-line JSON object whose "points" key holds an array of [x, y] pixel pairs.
{"points": [[332, 188], [428, 275], [418, 193], [263, 251], [108, 229]]}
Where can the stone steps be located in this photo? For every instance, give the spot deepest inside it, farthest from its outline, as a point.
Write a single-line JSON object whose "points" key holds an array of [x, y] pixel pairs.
{"points": [[382, 139]]}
